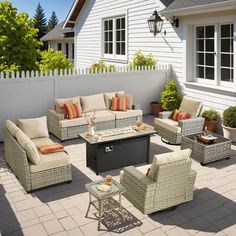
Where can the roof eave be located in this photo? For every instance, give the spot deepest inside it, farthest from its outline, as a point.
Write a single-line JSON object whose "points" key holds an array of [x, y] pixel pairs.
{"points": [[200, 9]]}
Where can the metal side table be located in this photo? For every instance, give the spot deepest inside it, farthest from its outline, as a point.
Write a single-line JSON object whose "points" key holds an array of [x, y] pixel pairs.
{"points": [[104, 201]]}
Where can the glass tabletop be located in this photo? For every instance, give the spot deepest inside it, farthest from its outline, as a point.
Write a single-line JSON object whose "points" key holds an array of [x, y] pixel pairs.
{"points": [[219, 138], [115, 189], [118, 133]]}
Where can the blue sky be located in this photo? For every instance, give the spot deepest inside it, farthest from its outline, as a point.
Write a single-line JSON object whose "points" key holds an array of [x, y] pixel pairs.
{"points": [[61, 7]]}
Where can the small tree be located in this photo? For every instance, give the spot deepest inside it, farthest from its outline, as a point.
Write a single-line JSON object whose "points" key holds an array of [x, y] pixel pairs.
{"points": [[143, 60], [40, 21], [52, 22], [170, 98], [18, 43], [51, 60]]}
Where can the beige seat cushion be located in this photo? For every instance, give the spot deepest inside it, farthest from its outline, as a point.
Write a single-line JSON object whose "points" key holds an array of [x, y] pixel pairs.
{"points": [[73, 122], [143, 169], [40, 141], [50, 161], [167, 158], [101, 116], [127, 114], [168, 124], [108, 98], [11, 127], [29, 147], [93, 102], [35, 127], [191, 106]]}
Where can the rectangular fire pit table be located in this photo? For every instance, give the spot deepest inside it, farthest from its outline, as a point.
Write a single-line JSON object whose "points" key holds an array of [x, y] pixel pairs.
{"points": [[116, 149], [206, 153], [104, 201]]}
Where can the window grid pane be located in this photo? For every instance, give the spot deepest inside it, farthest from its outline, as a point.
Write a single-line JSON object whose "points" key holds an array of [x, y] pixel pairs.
{"points": [[226, 52], [205, 55], [120, 36], [108, 36]]}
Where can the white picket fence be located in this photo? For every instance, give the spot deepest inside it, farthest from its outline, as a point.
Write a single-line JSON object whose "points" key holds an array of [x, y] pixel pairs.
{"points": [[80, 71]]}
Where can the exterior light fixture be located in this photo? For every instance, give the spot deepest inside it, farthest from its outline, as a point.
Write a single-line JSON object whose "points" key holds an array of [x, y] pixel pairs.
{"points": [[155, 23]]}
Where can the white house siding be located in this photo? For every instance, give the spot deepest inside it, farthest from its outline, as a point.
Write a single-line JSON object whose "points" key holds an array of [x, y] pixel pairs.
{"points": [[167, 49], [88, 31], [54, 44]]}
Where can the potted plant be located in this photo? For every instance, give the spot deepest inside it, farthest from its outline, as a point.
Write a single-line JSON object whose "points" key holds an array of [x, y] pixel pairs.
{"points": [[170, 98], [156, 108], [229, 123], [210, 119]]}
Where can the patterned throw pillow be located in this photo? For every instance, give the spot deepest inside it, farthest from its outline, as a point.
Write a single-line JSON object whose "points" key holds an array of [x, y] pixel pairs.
{"points": [[175, 116], [118, 104], [183, 116], [72, 110], [129, 99]]}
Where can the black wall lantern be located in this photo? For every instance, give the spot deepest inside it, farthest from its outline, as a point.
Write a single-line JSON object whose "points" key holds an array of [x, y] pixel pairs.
{"points": [[155, 23]]}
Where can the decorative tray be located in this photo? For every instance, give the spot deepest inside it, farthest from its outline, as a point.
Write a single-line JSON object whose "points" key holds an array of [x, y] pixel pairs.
{"points": [[103, 188], [206, 138]]}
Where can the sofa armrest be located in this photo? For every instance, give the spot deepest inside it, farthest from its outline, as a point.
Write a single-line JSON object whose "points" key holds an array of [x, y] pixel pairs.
{"points": [[55, 117], [137, 177], [165, 114], [191, 126], [190, 185]]}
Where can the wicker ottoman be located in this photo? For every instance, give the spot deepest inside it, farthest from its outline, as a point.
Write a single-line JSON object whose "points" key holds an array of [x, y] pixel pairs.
{"points": [[206, 153]]}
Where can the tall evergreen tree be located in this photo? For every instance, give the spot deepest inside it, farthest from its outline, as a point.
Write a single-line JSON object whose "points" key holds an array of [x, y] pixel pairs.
{"points": [[40, 21], [52, 22]]}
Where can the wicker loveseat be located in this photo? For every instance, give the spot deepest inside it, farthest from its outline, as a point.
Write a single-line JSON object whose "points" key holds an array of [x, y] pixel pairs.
{"points": [[34, 170], [170, 182], [64, 128], [172, 131]]}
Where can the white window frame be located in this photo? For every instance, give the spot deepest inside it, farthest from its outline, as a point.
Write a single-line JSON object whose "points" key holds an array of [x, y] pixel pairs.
{"points": [[189, 50], [114, 57]]}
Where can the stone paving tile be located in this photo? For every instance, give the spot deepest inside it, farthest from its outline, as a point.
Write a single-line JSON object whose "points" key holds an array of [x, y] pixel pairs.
{"points": [[60, 210], [53, 226]]}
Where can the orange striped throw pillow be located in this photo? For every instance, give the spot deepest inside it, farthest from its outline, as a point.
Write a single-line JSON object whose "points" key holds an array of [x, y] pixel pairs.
{"points": [[118, 104], [72, 110]]}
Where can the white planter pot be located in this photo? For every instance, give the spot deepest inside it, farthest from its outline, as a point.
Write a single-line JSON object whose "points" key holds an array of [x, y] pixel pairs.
{"points": [[229, 133]]}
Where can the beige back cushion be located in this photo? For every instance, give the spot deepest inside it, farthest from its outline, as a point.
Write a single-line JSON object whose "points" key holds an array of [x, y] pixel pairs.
{"points": [[35, 127], [93, 102], [191, 106], [167, 158], [108, 98], [11, 127], [29, 147]]}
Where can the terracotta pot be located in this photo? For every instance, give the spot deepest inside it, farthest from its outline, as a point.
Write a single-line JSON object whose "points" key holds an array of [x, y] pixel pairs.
{"points": [[229, 133], [211, 125], [156, 108]]}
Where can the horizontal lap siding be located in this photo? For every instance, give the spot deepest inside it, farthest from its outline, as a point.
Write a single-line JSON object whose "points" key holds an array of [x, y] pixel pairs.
{"points": [[88, 28]]}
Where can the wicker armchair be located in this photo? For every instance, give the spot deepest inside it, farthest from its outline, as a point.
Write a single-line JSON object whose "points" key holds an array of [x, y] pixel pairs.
{"points": [[172, 185], [172, 131]]}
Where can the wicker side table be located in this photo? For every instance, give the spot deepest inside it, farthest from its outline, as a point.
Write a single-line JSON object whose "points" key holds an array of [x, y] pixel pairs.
{"points": [[206, 153], [104, 201]]}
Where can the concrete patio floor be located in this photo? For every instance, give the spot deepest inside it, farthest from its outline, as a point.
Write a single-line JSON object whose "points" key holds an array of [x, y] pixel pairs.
{"points": [[59, 210]]}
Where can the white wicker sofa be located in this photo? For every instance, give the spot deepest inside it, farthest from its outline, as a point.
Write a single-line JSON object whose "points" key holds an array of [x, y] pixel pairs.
{"points": [[34, 170], [64, 128]]}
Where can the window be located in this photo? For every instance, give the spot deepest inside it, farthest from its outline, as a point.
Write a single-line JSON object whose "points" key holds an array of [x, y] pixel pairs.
{"points": [[67, 50], [214, 53], [59, 47], [114, 37]]}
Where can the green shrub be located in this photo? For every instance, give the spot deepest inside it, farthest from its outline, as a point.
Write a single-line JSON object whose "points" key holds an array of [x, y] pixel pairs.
{"points": [[142, 60], [51, 60], [210, 115], [229, 117], [100, 67], [170, 98]]}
